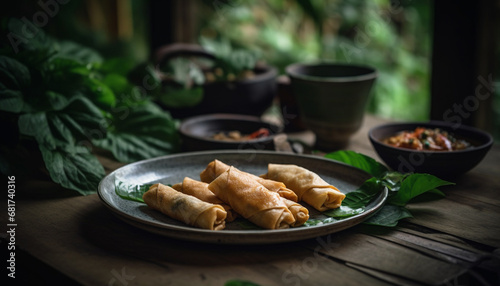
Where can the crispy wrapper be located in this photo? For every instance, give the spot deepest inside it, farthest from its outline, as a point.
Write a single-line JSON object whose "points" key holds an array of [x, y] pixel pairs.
{"points": [[307, 185], [252, 200], [200, 190], [216, 167], [299, 212], [185, 208]]}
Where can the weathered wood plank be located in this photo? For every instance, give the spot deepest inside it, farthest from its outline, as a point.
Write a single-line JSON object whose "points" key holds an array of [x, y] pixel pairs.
{"points": [[460, 216], [385, 256], [395, 280], [440, 250]]}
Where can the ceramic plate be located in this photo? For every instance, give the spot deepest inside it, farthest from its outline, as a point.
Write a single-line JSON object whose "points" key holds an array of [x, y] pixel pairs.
{"points": [[173, 168]]}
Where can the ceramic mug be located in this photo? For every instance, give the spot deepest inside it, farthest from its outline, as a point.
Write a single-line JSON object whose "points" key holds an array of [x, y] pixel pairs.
{"points": [[331, 99]]}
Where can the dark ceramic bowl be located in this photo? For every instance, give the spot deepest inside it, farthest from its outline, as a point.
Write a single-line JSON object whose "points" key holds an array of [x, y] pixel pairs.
{"points": [[196, 132], [445, 164], [250, 96]]}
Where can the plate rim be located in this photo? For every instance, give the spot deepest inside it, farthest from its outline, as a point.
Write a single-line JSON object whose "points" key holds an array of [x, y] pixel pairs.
{"points": [[165, 228]]}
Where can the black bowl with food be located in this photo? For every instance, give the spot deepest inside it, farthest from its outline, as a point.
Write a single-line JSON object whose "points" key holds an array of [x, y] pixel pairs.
{"points": [[227, 131], [248, 92], [439, 148]]}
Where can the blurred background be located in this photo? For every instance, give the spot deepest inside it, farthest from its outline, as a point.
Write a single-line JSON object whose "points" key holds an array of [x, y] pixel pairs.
{"points": [[435, 58]]}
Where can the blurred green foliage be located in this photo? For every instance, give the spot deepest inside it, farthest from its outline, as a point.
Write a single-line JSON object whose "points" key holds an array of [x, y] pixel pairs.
{"points": [[392, 36]]}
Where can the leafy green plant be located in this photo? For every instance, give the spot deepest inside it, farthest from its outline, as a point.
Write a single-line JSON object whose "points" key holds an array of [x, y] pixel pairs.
{"points": [[63, 100], [239, 282], [402, 188], [392, 36]]}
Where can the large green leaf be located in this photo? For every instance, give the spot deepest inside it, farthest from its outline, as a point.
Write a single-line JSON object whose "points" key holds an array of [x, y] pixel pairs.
{"points": [[14, 77], [119, 66], [343, 212], [100, 93], [388, 216], [64, 75], [415, 185], [402, 188], [75, 51], [360, 161], [37, 126], [181, 97], [24, 36], [68, 126], [141, 132], [13, 73], [10, 100], [119, 84], [362, 196], [56, 100], [131, 192], [74, 168]]}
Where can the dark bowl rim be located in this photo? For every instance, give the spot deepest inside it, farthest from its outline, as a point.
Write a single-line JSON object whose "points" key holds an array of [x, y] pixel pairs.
{"points": [[487, 143], [227, 116], [369, 75]]}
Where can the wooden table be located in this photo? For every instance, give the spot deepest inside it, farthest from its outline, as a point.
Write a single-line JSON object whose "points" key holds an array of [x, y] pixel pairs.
{"points": [[68, 239]]}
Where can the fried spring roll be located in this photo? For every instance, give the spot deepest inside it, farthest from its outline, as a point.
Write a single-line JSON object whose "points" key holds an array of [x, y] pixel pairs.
{"points": [[216, 167], [252, 200], [308, 186], [185, 208], [299, 212], [200, 190]]}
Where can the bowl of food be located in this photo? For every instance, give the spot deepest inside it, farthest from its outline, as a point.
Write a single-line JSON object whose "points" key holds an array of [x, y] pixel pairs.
{"points": [[196, 81], [439, 148], [227, 131]]}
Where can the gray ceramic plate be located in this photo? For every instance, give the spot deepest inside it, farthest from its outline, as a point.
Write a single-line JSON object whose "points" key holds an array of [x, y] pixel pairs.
{"points": [[173, 168]]}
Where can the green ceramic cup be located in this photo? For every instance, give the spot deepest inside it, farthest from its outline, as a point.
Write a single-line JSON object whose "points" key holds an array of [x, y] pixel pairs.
{"points": [[331, 99]]}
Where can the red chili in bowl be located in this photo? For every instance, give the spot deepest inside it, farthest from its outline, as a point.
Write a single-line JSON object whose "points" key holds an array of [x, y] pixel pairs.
{"points": [[237, 136], [427, 139]]}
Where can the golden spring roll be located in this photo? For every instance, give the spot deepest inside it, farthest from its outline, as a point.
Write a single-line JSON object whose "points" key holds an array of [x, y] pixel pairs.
{"points": [[185, 208], [216, 167], [308, 186], [200, 190], [252, 200], [299, 212]]}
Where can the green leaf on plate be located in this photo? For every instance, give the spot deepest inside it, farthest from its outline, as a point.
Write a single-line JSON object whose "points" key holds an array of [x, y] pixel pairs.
{"points": [[402, 188], [343, 212], [392, 180], [131, 192], [362, 196], [314, 222], [246, 224]]}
